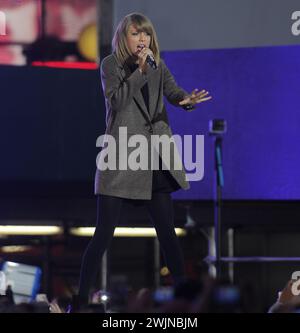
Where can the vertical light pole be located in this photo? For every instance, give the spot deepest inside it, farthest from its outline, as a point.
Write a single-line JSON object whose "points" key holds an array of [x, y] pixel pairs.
{"points": [[105, 27], [217, 128]]}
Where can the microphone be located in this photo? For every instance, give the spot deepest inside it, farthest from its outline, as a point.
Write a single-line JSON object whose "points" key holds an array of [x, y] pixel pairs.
{"points": [[151, 61]]}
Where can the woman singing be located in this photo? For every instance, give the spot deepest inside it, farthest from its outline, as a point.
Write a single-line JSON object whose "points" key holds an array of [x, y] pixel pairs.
{"points": [[134, 92]]}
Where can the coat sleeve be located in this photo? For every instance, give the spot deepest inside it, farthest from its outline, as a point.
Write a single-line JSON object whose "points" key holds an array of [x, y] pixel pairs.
{"points": [[172, 91], [118, 92]]}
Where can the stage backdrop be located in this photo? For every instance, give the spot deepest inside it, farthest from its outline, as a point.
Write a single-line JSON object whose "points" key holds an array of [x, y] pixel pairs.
{"points": [[50, 119], [257, 91]]}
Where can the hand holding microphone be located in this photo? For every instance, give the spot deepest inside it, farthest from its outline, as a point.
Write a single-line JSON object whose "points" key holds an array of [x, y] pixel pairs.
{"points": [[145, 57], [151, 61]]}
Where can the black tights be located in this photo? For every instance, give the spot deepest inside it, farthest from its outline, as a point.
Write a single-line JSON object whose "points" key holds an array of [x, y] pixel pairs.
{"points": [[109, 210]]}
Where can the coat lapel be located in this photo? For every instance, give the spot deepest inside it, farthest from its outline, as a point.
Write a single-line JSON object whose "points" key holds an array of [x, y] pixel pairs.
{"points": [[138, 97], [153, 82]]}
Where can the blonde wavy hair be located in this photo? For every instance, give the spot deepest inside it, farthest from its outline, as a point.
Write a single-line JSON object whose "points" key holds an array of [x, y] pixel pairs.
{"points": [[141, 23]]}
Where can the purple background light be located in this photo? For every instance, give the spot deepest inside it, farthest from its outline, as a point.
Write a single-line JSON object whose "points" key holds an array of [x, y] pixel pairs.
{"points": [[257, 91]]}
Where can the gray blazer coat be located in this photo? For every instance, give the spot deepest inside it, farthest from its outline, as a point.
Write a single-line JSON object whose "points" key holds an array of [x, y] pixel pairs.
{"points": [[125, 107]]}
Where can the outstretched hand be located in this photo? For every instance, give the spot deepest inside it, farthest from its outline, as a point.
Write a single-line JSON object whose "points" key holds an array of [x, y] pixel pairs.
{"points": [[196, 97]]}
